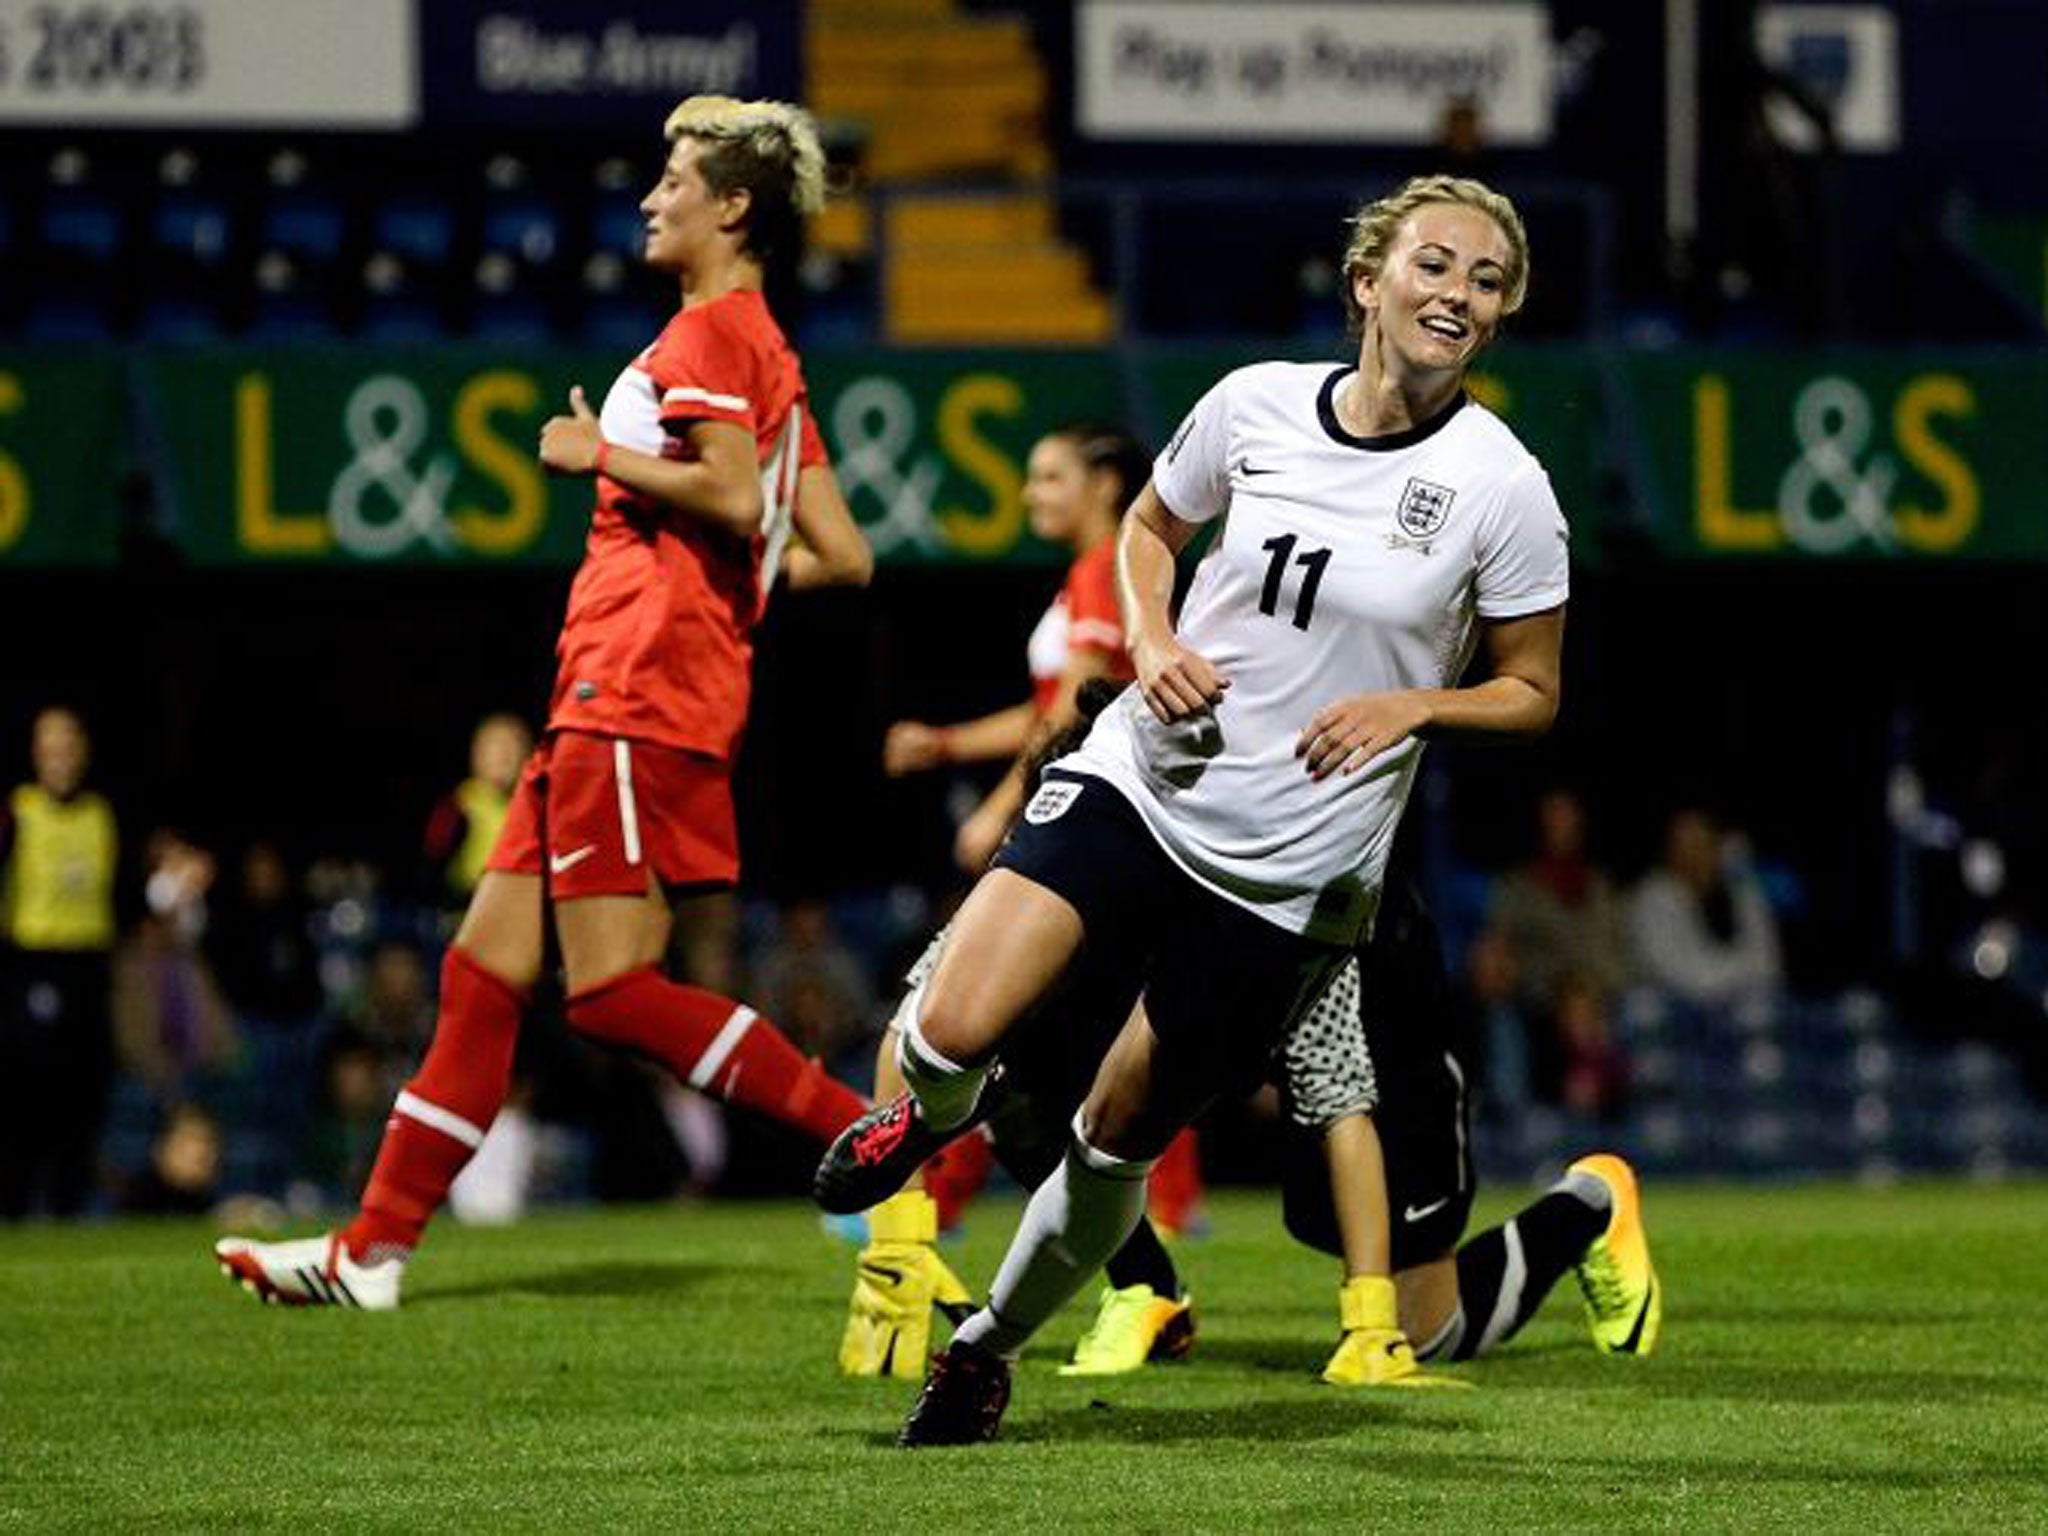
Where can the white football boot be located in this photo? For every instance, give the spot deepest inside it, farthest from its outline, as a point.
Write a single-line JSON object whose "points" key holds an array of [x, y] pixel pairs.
{"points": [[309, 1272]]}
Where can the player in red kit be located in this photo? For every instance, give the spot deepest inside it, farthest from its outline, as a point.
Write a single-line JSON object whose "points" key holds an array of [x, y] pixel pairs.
{"points": [[705, 462]]}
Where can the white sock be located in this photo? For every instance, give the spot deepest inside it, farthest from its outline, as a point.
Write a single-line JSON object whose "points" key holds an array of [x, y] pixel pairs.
{"points": [[1076, 1220], [945, 1091]]}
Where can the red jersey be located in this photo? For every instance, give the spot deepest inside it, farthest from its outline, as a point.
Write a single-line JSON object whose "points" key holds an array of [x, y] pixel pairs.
{"points": [[658, 643], [1084, 617]]}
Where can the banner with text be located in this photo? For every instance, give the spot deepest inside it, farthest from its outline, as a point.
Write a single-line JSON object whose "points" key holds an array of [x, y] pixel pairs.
{"points": [[394, 458], [1298, 70], [61, 447], [1859, 455], [209, 63], [559, 63], [375, 456]]}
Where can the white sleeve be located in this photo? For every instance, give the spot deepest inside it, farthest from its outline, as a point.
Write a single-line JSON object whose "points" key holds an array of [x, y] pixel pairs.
{"points": [[1524, 549], [1193, 475]]}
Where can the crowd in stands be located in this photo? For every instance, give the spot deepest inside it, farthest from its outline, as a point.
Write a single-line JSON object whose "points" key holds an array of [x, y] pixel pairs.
{"points": [[236, 1027]]}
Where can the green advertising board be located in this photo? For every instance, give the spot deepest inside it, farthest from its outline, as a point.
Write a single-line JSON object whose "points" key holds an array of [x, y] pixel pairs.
{"points": [[281, 456], [1849, 456], [350, 454], [353, 454], [62, 445], [930, 447]]}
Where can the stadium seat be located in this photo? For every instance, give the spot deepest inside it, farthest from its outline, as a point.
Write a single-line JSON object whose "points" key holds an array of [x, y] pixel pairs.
{"points": [[306, 227], [508, 303], [80, 228], [615, 312], [418, 230], [288, 304], [181, 316], [79, 315], [398, 306], [525, 229]]}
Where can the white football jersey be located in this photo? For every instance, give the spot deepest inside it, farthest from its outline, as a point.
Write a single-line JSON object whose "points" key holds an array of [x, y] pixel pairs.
{"points": [[1345, 565]]}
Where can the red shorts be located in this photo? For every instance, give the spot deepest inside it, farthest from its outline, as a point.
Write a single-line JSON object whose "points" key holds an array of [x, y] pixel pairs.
{"points": [[596, 814]]}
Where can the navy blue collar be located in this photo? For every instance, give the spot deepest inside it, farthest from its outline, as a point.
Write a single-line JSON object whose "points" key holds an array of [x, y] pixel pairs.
{"points": [[1407, 437]]}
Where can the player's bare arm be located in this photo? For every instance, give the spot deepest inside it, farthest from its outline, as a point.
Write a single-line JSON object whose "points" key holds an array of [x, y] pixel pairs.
{"points": [[1519, 698], [1175, 681], [833, 552], [721, 485]]}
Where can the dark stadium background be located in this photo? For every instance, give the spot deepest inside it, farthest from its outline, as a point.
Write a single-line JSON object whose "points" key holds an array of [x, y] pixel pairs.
{"points": [[328, 707]]}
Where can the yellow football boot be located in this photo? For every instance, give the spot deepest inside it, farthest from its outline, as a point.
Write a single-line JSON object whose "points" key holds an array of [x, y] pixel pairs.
{"points": [[1624, 1302]]}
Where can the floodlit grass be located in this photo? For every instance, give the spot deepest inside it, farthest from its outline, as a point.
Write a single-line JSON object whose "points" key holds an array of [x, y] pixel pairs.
{"points": [[1832, 1359]]}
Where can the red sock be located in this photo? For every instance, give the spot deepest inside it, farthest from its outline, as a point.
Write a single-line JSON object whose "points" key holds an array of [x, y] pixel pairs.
{"points": [[1174, 1196], [955, 1174], [722, 1047], [442, 1114]]}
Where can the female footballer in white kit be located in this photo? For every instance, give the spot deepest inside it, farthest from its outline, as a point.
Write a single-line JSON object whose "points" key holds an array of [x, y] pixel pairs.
{"points": [[1226, 825]]}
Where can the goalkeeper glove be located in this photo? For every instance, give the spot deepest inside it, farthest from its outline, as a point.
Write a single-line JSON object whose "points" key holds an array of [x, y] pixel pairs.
{"points": [[1374, 1352], [900, 1280]]}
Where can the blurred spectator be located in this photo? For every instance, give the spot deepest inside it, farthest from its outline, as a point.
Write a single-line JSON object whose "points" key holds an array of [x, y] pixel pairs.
{"points": [[58, 853], [1461, 138], [814, 986], [1701, 927], [465, 824], [171, 1022], [261, 945], [348, 1119], [1593, 1075], [1559, 912], [260, 942], [1489, 995], [183, 1175], [395, 1013]]}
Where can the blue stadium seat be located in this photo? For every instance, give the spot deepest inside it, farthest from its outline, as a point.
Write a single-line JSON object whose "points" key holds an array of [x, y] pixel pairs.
{"points": [[305, 226], [73, 315], [190, 227], [177, 317], [508, 303], [80, 227], [399, 304], [619, 227], [289, 304], [526, 229], [418, 230]]}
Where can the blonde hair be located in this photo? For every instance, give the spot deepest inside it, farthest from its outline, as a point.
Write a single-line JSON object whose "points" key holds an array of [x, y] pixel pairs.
{"points": [[767, 149], [1375, 224]]}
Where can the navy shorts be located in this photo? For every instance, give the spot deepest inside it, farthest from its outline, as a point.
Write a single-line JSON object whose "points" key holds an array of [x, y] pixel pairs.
{"points": [[1221, 984]]}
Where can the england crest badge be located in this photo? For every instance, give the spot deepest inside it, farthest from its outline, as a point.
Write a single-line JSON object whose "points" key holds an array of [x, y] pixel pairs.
{"points": [[1424, 507]]}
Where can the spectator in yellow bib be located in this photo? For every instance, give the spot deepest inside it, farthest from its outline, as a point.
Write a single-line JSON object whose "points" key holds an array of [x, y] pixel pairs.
{"points": [[58, 851]]}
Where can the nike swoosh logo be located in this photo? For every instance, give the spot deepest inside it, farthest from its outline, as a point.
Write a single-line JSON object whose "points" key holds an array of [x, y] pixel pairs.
{"points": [[1417, 1212], [562, 863], [893, 1276], [1247, 469]]}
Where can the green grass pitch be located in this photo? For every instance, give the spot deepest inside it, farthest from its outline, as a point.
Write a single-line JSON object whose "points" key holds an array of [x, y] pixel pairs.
{"points": [[1833, 1359]]}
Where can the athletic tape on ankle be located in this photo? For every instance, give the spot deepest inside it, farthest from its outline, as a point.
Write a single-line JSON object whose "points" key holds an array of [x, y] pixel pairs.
{"points": [[946, 1092], [1108, 1164], [913, 1051]]}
